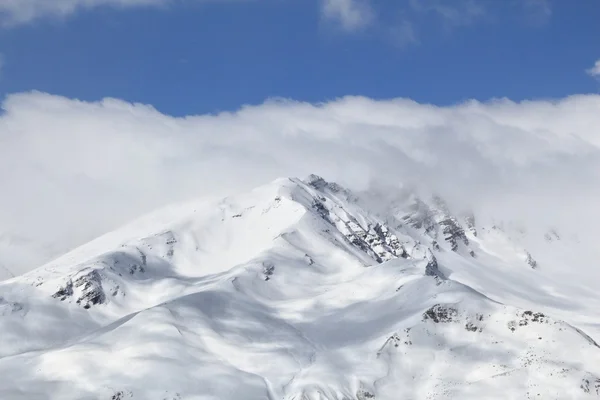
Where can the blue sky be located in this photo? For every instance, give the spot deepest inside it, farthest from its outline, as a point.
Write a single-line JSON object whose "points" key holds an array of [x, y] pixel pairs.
{"points": [[190, 57]]}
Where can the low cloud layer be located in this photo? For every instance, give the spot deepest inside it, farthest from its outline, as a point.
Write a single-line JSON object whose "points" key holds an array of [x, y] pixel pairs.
{"points": [[71, 170]]}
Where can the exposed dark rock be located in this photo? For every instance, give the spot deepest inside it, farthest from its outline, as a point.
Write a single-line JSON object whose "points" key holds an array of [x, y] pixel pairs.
{"points": [[453, 233], [320, 208], [421, 216], [532, 263], [309, 259], [133, 268], [432, 268], [535, 317], [441, 314], [528, 317], [364, 395], [64, 292], [319, 183], [591, 385], [470, 223], [377, 241], [316, 182], [587, 337], [472, 328], [88, 288], [268, 270], [91, 289], [171, 238], [122, 395], [437, 220], [395, 341]]}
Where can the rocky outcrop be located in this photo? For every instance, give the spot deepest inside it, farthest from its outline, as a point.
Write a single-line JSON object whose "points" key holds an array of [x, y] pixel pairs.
{"points": [[453, 232], [470, 223], [526, 318], [436, 220], [441, 314], [87, 288], [268, 270], [422, 217], [530, 260], [590, 384]]}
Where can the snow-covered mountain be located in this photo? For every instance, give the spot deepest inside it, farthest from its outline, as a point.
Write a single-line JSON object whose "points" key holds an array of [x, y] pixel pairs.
{"points": [[304, 290]]}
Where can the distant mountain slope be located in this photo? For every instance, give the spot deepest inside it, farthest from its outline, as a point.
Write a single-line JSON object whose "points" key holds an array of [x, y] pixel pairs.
{"points": [[299, 290]]}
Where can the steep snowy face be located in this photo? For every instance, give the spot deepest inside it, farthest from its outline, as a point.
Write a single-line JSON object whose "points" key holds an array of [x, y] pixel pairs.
{"points": [[299, 290]]}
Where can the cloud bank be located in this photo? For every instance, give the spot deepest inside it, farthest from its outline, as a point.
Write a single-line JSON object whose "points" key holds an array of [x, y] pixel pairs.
{"points": [[71, 170]]}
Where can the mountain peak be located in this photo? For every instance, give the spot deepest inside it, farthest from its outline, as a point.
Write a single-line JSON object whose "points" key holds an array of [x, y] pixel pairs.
{"points": [[300, 289]]}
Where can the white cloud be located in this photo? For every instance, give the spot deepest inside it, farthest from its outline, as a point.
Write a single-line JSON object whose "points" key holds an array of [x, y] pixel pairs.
{"points": [[595, 70], [70, 170], [20, 11], [350, 14]]}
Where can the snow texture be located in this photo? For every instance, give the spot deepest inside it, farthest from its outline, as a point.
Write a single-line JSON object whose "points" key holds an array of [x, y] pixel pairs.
{"points": [[301, 290]]}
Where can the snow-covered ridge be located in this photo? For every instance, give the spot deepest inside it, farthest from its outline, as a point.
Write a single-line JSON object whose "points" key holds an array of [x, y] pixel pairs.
{"points": [[300, 289]]}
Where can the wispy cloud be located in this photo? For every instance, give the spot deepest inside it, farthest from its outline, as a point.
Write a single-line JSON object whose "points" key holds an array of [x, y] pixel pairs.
{"points": [[595, 70], [351, 15], [14, 12], [402, 33], [421, 15], [455, 13], [539, 11]]}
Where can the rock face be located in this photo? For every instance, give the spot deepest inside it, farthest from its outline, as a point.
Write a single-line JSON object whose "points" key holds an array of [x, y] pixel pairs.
{"points": [[268, 270], [440, 314], [470, 222], [86, 289], [90, 286], [436, 221], [377, 241], [529, 260], [590, 385]]}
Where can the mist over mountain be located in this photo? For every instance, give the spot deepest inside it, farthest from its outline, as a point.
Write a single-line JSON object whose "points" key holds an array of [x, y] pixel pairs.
{"points": [[73, 170]]}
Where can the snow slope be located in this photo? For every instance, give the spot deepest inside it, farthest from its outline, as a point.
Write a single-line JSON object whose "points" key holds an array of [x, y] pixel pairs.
{"points": [[302, 290]]}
